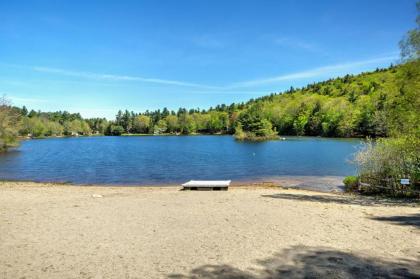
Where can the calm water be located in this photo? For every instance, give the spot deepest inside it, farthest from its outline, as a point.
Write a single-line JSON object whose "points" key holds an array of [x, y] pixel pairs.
{"points": [[164, 160]]}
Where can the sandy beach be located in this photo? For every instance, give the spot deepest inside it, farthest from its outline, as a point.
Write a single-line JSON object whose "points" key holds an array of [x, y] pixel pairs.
{"points": [[61, 231]]}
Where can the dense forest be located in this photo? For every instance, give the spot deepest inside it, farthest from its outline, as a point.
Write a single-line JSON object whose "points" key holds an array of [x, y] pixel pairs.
{"points": [[375, 104]]}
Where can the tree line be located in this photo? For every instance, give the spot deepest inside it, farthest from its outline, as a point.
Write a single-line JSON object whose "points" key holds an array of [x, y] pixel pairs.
{"points": [[375, 104], [381, 103]]}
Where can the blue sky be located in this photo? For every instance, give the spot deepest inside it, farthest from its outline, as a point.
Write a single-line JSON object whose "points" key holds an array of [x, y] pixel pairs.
{"points": [[96, 57]]}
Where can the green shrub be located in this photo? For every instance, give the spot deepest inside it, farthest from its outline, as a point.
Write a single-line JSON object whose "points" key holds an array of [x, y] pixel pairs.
{"points": [[9, 125], [351, 183], [383, 163], [116, 130], [263, 132]]}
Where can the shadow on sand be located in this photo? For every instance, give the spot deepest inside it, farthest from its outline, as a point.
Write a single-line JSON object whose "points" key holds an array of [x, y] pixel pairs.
{"points": [[346, 199], [409, 220], [304, 262]]}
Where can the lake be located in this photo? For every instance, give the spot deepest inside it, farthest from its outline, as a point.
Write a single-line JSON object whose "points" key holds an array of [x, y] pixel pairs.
{"points": [[160, 160]]}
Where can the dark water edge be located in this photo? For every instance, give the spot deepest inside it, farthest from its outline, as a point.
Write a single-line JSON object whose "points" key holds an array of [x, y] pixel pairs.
{"points": [[311, 183], [306, 182], [303, 162]]}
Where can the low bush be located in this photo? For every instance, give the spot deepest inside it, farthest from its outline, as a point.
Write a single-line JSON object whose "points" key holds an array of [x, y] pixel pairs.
{"points": [[382, 164], [263, 134], [351, 183]]}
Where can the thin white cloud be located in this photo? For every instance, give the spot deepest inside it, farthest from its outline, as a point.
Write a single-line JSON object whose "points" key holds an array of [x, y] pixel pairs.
{"points": [[232, 88], [227, 90], [294, 43], [111, 77], [316, 72], [299, 44]]}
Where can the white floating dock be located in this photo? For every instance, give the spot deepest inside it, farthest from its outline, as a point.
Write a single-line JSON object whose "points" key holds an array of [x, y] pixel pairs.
{"points": [[206, 185]]}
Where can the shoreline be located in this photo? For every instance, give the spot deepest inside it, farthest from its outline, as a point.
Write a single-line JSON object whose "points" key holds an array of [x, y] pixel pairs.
{"points": [[361, 137], [358, 198], [332, 184], [157, 187]]}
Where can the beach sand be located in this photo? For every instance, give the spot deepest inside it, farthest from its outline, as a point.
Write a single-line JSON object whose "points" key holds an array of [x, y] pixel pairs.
{"points": [[59, 231]]}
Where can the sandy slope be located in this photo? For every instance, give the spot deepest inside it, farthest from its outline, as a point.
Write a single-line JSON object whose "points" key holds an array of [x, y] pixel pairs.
{"points": [[65, 232]]}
